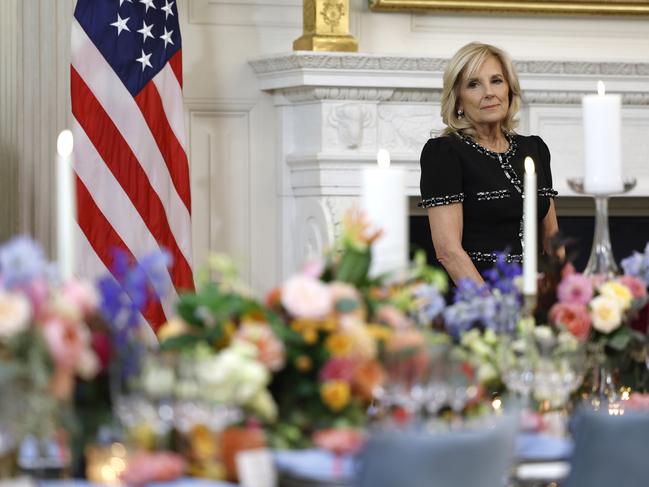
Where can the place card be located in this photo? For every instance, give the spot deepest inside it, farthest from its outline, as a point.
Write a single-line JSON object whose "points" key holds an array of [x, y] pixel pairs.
{"points": [[256, 468]]}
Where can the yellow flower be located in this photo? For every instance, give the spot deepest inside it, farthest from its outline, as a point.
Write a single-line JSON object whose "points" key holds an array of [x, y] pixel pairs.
{"points": [[335, 394], [338, 345], [310, 336], [618, 292], [176, 326], [606, 314], [379, 332], [303, 363], [328, 325], [302, 324]]}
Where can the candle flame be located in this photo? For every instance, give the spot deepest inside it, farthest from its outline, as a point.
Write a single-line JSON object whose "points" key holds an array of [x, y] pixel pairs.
{"points": [[601, 89], [65, 143], [529, 165], [383, 158]]}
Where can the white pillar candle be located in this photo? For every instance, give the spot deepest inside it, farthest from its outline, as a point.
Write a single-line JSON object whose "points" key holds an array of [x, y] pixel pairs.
{"points": [[602, 142], [530, 221], [66, 205], [383, 199]]}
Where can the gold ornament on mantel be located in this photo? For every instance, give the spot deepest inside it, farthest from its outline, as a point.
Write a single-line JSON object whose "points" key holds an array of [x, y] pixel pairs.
{"points": [[326, 27]]}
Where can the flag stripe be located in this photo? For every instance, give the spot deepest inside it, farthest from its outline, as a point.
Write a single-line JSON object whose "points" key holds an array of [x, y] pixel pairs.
{"points": [[172, 100], [113, 202], [117, 155], [103, 238], [174, 155], [125, 114], [176, 63]]}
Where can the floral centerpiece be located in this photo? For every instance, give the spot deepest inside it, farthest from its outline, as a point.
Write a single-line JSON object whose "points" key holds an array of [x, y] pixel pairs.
{"points": [[343, 325], [45, 342], [601, 313]]}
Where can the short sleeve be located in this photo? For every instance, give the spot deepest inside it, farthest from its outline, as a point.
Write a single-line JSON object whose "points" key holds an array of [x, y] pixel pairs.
{"points": [[441, 174], [545, 184]]}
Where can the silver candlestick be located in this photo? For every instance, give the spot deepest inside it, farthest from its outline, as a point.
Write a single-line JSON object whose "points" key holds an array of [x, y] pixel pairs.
{"points": [[601, 260]]}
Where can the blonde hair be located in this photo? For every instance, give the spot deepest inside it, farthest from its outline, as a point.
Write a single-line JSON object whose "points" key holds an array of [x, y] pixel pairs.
{"points": [[464, 64]]}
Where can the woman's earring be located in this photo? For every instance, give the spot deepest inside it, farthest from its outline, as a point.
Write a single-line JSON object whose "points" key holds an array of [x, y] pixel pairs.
{"points": [[460, 113]]}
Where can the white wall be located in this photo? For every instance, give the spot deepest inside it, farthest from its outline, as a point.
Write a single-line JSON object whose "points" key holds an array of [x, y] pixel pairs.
{"points": [[232, 124]]}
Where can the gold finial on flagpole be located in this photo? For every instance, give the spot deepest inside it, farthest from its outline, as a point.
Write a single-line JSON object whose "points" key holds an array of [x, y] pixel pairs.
{"points": [[326, 27]]}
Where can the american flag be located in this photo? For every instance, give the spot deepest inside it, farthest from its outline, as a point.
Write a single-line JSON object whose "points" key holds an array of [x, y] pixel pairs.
{"points": [[130, 161]]}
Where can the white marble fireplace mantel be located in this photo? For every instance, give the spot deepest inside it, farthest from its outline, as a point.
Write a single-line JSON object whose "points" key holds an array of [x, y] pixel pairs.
{"points": [[335, 110]]}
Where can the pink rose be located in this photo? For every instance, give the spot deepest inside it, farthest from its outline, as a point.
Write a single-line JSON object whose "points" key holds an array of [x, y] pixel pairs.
{"points": [[313, 268], [144, 468], [341, 441], [306, 297], [567, 270], [638, 402], [338, 369], [574, 317], [575, 288], [82, 295], [66, 341], [637, 287]]}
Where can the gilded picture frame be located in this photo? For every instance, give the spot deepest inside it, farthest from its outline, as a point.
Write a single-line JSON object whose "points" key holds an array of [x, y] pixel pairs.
{"points": [[550, 7]]}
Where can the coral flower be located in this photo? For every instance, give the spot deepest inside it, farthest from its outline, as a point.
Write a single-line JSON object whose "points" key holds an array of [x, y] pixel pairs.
{"points": [[573, 316], [270, 350], [367, 377]]}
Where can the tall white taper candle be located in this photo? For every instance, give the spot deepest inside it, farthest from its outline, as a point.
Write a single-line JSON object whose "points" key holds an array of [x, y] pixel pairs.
{"points": [[602, 142], [530, 221], [66, 205], [383, 199]]}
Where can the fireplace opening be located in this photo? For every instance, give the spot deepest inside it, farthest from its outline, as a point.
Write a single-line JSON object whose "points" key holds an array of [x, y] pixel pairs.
{"points": [[628, 225]]}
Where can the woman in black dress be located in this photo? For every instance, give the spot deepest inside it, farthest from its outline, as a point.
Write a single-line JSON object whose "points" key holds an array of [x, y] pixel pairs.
{"points": [[472, 176]]}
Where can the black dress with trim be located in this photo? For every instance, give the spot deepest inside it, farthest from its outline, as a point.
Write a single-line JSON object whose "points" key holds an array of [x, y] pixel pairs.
{"points": [[489, 185]]}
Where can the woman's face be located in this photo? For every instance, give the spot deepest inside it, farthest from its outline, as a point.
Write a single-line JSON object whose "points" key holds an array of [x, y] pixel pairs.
{"points": [[484, 97]]}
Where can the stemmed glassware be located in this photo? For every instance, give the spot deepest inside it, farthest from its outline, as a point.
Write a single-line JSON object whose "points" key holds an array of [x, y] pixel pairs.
{"points": [[543, 364]]}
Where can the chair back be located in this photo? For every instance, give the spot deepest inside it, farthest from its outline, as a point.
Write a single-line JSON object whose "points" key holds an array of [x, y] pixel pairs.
{"points": [[610, 450], [467, 458]]}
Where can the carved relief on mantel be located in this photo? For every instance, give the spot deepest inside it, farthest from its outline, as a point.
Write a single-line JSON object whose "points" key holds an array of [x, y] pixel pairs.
{"points": [[318, 223], [350, 126]]}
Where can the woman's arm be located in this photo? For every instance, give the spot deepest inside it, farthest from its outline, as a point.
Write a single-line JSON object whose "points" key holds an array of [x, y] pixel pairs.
{"points": [[550, 227], [446, 231]]}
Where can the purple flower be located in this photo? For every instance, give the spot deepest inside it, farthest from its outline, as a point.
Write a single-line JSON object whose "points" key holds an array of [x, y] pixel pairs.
{"points": [[21, 261], [467, 289], [637, 265], [576, 289], [432, 302]]}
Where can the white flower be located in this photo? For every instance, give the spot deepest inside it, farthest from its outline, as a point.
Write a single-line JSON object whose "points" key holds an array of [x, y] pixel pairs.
{"points": [[264, 405], [306, 297], [617, 291], [88, 364], [606, 314], [15, 313]]}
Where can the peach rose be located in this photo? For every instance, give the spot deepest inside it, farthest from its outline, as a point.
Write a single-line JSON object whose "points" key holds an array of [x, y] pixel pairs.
{"points": [[573, 316]]}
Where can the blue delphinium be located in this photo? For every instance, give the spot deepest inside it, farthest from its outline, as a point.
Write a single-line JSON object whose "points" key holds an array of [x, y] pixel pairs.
{"points": [[495, 305], [21, 261], [432, 302], [637, 264], [125, 294]]}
